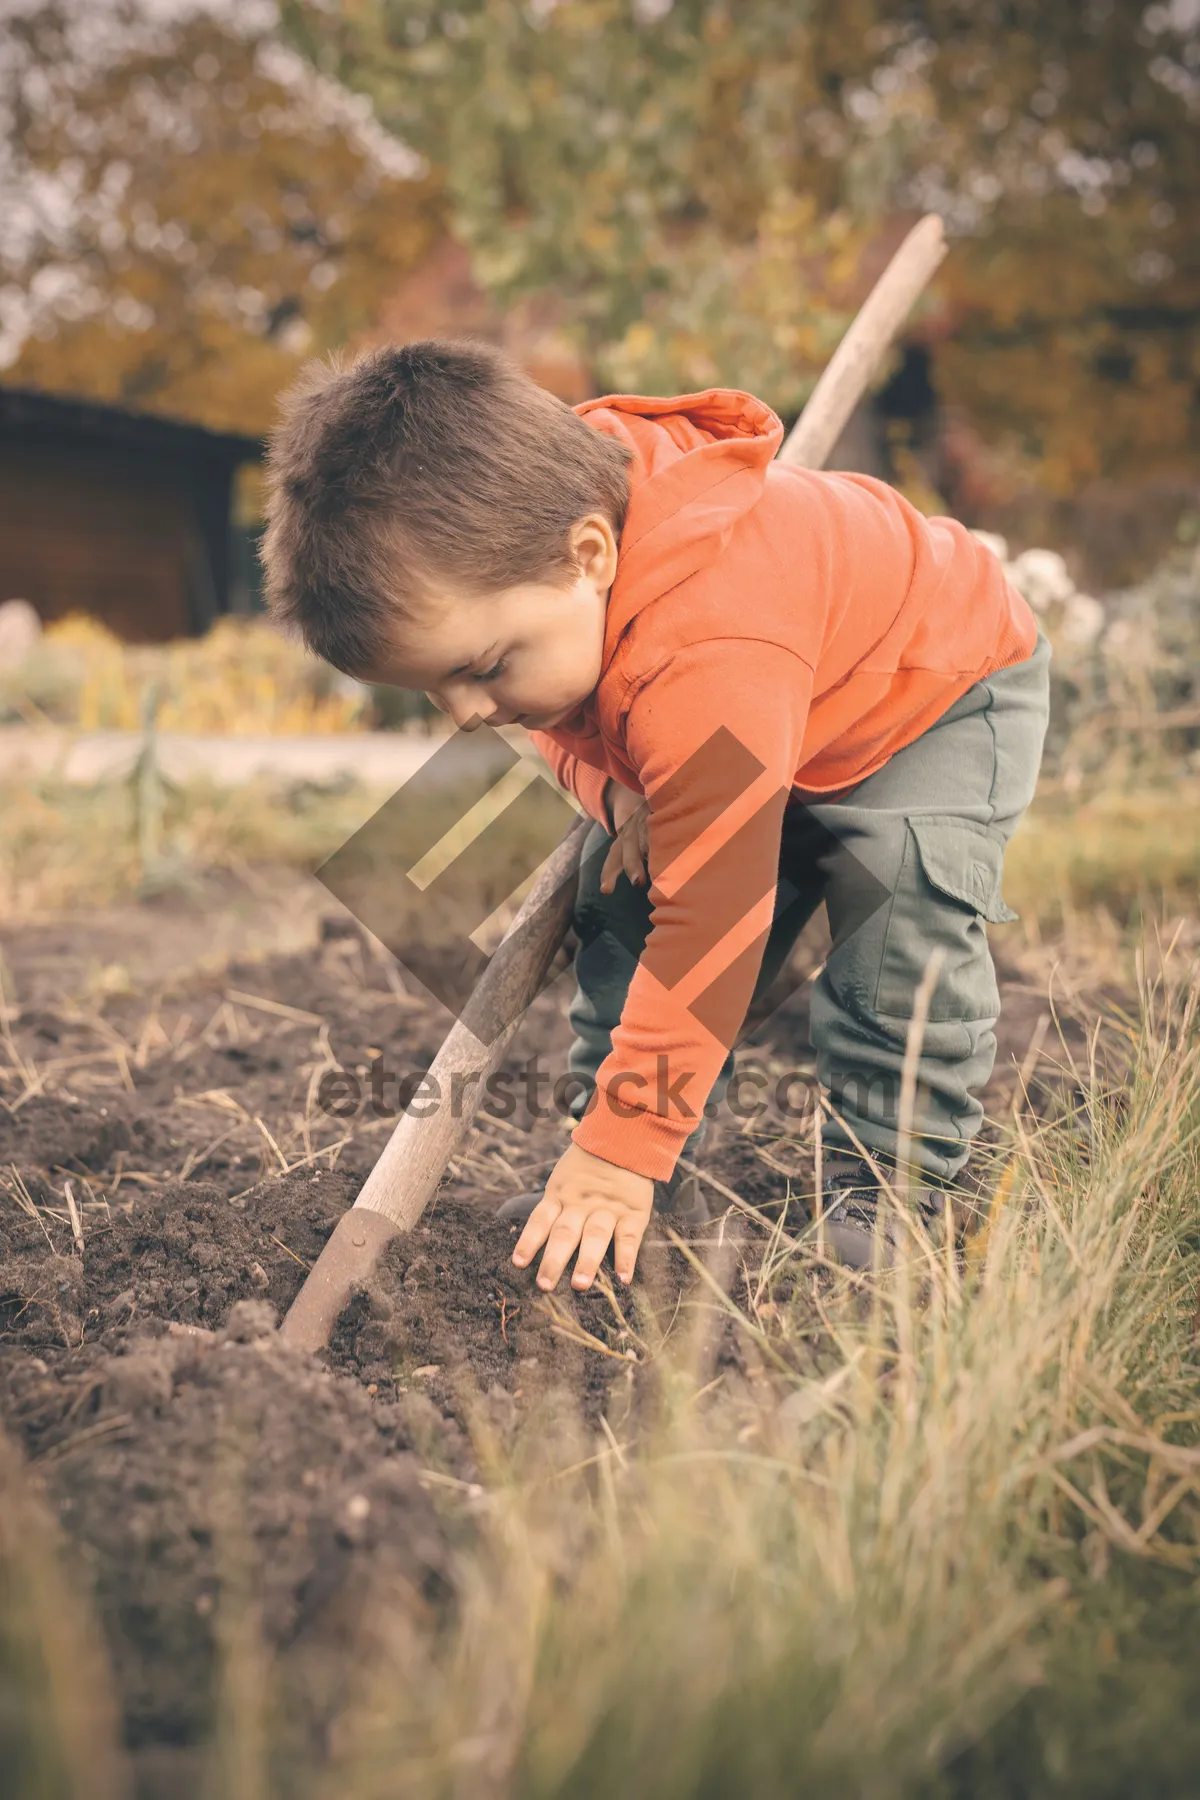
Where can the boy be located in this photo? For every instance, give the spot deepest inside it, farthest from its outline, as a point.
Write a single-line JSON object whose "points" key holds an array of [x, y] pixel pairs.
{"points": [[767, 686]]}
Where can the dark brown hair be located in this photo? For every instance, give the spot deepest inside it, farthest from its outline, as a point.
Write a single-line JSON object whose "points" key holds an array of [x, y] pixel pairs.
{"points": [[417, 466]]}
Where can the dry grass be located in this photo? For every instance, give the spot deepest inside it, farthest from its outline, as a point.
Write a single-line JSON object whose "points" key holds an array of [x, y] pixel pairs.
{"points": [[58, 1738], [63, 847], [243, 678], [1134, 856]]}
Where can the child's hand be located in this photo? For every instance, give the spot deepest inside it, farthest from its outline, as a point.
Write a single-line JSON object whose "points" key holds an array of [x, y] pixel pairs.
{"points": [[587, 1201], [631, 846]]}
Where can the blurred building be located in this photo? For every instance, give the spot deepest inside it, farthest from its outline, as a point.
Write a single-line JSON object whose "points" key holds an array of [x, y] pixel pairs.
{"points": [[123, 515]]}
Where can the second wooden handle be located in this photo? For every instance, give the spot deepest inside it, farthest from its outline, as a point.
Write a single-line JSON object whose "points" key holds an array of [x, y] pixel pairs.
{"points": [[857, 358]]}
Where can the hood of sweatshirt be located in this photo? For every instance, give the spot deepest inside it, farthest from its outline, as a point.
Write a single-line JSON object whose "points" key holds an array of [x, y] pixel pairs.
{"points": [[700, 463]]}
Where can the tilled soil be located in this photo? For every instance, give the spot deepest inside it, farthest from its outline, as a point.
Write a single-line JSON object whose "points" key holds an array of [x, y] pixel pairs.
{"points": [[168, 1177]]}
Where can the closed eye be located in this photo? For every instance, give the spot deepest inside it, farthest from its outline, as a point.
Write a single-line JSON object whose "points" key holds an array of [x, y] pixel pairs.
{"points": [[491, 674]]}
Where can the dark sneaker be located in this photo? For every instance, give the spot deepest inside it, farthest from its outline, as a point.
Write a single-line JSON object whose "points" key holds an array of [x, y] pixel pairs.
{"points": [[851, 1203], [681, 1198]]}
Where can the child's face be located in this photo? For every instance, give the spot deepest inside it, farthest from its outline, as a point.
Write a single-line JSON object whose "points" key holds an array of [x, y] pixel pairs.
{"points": [[529, 655]]}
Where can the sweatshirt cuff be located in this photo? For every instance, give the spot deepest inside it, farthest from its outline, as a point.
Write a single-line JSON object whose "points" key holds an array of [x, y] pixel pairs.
{"points": [[644, 1142]]}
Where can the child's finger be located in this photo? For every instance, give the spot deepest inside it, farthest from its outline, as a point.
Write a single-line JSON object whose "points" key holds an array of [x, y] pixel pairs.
{"points": [[560, 1247], [537, 1229], [592, 1246], [613, 864], [627, 1241], [632, 858]]}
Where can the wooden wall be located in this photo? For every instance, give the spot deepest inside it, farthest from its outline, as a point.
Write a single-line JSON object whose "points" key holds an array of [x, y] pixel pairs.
{"points": [[138, 540]]}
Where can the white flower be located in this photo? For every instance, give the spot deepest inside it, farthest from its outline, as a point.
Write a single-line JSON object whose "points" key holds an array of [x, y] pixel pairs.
{"points": [[991, 540], [1041, 576], [1084, 619], [20, 632]]}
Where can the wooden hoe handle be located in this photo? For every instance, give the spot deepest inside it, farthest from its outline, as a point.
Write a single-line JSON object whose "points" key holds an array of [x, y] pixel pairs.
{"points": [[414, 1159], [853, 364]]}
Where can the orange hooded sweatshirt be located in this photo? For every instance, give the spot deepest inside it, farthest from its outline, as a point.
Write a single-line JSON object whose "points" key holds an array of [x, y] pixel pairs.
{"points": [[771, 633]]}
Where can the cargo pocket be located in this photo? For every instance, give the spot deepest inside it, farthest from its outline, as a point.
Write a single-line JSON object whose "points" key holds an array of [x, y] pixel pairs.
{"points": [[949, 884]]}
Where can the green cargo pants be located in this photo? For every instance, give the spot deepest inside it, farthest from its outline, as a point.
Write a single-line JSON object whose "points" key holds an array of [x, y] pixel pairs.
{"points": [[931, 827]]}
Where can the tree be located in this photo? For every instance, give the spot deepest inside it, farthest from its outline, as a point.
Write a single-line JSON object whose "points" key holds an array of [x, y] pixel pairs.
{"points": [[191, 209], [645, 164], [697, 181], [1060, 143]]}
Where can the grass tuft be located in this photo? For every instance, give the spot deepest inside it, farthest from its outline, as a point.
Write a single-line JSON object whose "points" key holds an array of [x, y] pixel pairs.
{"points": [[58, 1734]]}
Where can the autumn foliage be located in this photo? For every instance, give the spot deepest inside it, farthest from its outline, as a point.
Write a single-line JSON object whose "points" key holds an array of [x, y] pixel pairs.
{"points": [[692, 191], [197, 211]]}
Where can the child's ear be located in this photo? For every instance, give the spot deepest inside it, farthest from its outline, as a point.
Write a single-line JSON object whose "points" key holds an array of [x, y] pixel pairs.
{"points": [[594, 545]]}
